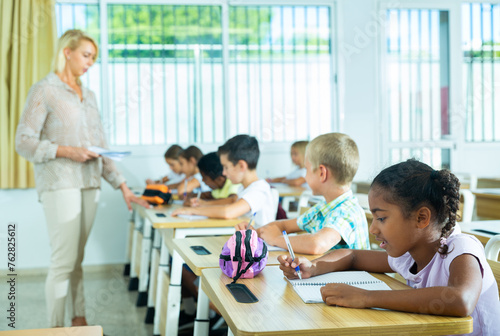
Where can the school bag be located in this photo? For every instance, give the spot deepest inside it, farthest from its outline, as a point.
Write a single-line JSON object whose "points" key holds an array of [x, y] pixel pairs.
{"points": [[244, 255], [157, 194]]}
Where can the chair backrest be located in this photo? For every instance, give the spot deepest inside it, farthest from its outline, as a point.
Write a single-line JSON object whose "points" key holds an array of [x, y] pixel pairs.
{"points": [[468, 205], [495, 267], [363, 200], [276, 198], [492, 248]]}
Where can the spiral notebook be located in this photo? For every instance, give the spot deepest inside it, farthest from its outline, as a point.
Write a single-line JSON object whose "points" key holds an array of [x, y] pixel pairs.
{"points": [[309, 289]]}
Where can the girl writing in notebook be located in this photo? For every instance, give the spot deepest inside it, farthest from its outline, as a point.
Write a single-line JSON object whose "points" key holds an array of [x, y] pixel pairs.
{"points": [[414, 214]]}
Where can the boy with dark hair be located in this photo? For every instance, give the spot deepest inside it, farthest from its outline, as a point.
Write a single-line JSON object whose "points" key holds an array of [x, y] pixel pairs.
{"points": [[223, 190], [239, 157]]}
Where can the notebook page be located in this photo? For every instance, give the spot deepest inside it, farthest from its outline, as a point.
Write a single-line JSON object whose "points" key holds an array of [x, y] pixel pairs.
{"points": [[309, 289]]}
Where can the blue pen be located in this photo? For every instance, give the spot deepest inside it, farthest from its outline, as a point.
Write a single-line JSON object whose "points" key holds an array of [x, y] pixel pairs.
{"points": [[251, 220], [287, 241], [185, 188]]}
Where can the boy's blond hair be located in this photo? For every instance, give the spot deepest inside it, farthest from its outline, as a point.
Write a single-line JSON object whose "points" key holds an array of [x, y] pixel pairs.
{"points": [[336, 151], [300, 146]]}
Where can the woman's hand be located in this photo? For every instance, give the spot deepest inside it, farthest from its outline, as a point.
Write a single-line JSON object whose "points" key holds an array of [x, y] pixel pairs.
{"points": [[78, 154], [287, 265], [337, 294], [130, 198]]}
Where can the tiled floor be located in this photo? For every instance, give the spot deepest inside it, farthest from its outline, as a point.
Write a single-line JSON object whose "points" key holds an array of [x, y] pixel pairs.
{"points": [[108, 301]]}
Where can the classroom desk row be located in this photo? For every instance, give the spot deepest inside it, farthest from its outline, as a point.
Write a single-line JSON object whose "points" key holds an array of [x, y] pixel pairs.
{"points": [[272, 290]]}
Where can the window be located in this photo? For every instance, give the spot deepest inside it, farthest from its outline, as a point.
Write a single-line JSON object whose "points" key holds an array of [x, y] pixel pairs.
{"points": [[481, 48], [176, 74], [416, 75]]}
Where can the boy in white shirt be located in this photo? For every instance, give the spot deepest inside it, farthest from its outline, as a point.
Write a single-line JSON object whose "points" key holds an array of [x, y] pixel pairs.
{"points": [[239, 157]]}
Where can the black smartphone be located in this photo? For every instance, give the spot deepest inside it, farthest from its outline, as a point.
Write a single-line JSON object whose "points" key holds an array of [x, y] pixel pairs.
{"points": [[160, 215], [200, 250], [241, 293]]}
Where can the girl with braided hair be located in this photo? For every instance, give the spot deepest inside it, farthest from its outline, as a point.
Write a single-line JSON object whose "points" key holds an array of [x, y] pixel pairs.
{"points": [[414, 214]]}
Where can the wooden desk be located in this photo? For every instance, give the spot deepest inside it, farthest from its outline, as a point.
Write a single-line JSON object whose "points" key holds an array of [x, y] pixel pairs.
{"points": [[173, 227], [488, 182], [487, 203], [291, 316], [73, 331], [288, 191], [199, 262], [488, 225]]}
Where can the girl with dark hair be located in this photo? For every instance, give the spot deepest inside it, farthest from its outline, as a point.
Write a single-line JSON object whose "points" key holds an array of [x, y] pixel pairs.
{"points": [[414, 215]]}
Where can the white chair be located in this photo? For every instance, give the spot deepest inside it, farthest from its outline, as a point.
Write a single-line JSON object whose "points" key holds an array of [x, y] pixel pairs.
{"points": [[492, 248], [276, 198], [468, 209]]}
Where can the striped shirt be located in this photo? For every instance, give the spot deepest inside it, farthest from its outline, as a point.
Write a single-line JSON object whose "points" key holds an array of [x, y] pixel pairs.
{"points": [[344, 215], [54, 116]]}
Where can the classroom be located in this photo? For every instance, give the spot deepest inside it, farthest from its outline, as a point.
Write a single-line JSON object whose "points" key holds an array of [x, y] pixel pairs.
{"points": [[316, 127]]}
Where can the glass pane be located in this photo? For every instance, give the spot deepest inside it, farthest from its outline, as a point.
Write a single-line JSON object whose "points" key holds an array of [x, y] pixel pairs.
{"points": [[166, 74], [280, 71], [417, 81], [86, 18], [481, 47]]}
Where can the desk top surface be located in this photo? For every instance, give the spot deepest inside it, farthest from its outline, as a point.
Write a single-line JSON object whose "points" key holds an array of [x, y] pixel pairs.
{"points": [[291, 316], [214, 245], [161, 218], [487, 191], [286, 190], [73, 331]]}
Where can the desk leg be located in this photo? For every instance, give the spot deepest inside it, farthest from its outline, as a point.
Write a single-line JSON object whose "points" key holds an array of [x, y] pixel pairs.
{"points": [[174, 296], [153, 275], [126, 269], [163, 268], [134, 280], [142, 299], [202, 321]]}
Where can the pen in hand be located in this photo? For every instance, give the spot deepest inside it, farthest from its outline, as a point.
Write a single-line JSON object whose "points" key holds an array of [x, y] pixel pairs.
{"points": [[289, 246], [199, 194], [249, 225]]}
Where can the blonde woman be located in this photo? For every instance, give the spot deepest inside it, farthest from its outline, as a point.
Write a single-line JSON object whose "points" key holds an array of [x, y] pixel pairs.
{"points": [[60, 121]]}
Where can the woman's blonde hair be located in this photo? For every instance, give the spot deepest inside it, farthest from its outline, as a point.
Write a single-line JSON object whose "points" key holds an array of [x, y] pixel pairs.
{"points": [[70, 39]]}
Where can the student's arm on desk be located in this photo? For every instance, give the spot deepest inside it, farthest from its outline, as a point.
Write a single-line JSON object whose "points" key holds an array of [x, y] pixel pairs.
{"points": [[336, 260], [295, 182], [458, 298], [307, 243], [209, 202], [227, 211], [191, 185]]}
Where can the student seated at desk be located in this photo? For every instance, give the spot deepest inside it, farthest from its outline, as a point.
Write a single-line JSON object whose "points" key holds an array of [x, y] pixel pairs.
{"points": [[189, 166], [223, 190], [239, 157], [414, 214], [297, 177], [340, 222], [175, 176]]}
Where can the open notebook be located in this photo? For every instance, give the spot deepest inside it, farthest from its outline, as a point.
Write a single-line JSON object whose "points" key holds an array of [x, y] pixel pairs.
{"points": [[309, 289]]}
